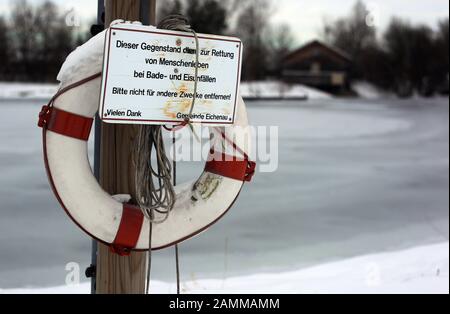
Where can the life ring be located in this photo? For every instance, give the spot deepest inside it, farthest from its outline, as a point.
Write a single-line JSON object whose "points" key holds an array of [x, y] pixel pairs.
{"points": [[66, 123]]}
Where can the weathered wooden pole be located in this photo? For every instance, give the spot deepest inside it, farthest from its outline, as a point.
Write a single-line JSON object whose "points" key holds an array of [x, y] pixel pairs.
{"points": [[115, 274]]}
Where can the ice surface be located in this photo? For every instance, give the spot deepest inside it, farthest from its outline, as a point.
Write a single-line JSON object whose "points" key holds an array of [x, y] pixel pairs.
{"points": [[355, 177]]}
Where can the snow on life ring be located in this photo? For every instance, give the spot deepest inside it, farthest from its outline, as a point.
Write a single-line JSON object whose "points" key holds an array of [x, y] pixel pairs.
{"points": [[66, 124]]}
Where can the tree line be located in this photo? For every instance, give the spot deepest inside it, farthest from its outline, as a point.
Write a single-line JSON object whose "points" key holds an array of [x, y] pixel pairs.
{"points": [[35, 41], [36, 38], [405, 58], [265, 44]]}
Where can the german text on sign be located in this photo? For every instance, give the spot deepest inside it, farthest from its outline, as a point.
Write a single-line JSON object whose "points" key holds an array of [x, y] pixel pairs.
{"points": [[149, 75]]}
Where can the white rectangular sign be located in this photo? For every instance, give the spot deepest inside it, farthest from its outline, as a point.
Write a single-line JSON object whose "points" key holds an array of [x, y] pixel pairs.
{"points": [[148, 76]]}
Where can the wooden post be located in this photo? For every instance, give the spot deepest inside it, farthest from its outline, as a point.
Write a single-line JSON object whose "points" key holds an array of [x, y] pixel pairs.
{"points": [[115, 274]]}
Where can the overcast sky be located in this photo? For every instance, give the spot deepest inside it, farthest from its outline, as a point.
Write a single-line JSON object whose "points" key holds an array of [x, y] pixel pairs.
{"points": [[306, 17]]}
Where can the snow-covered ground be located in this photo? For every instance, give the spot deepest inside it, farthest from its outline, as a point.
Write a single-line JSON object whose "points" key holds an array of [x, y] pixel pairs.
{"points": [[280, 90], [27, 90], [369, 91], [261, 90], [418, 270]]}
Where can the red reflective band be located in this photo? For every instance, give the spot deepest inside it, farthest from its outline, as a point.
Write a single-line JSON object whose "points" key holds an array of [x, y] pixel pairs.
{"points": [[129, 230], [231, 167], [65, 123]]}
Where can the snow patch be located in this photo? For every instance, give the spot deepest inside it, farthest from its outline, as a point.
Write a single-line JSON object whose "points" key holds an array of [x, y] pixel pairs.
{"points": [[368, 91], [259, 90], [27, 91], [84, 61], [417, 270], [279, 90], [78, 65]]}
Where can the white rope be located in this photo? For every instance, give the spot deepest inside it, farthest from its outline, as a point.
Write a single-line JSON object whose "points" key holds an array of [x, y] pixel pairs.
{"points": [[154, 189], [178, 22]]}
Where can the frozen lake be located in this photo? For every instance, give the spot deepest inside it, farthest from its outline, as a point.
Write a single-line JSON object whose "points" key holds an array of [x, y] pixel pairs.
{"points": [[355, 177]]}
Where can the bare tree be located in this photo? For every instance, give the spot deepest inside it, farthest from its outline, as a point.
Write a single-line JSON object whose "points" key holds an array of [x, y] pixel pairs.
{"points": [[444, 32], [443, 47], [41, 40], [353, 35], [248, 19], [281, 41], [443, 44], [169, 7], [251, 26], [413, 56], [24, 39], [54, 38], [207, 16], [5, 49]]}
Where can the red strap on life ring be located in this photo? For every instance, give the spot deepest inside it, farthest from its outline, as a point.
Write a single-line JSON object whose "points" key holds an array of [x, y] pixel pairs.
{"points": [[79, 127], [129, 230], [231, 167], [65, 123], [242, 169]]}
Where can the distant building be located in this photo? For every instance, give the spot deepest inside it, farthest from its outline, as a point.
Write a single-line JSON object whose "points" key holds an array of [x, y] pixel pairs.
{"points": [[318, 65]]}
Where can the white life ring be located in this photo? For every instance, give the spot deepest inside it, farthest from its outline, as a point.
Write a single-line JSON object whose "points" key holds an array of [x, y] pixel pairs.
{"points": [[66, 123]]}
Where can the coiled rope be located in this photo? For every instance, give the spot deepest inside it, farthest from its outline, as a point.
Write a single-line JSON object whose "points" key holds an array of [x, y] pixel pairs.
{"points": [[154, 187], [177, 22]]}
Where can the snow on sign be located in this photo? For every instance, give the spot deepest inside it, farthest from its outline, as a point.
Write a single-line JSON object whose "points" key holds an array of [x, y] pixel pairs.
{"points": [[149, 75]]}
